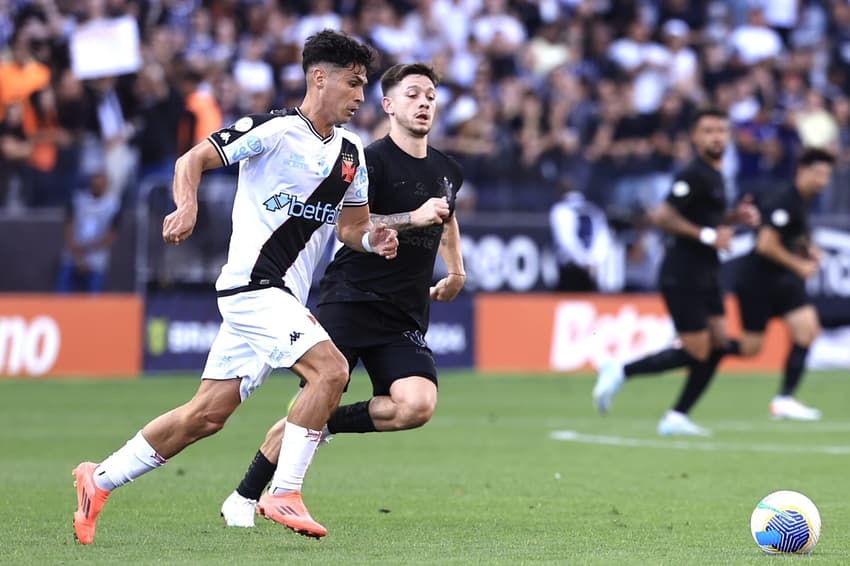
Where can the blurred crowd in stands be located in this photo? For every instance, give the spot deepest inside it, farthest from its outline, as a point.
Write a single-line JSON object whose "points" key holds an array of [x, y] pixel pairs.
{"points": [[538, 97]]}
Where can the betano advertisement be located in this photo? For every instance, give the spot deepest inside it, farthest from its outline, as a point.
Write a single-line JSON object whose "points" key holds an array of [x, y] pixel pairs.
{"points": [[68, 336], [578, 332]]}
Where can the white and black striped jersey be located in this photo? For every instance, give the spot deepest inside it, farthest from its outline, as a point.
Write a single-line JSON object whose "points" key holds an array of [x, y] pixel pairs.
{"points": [[292, 186]]}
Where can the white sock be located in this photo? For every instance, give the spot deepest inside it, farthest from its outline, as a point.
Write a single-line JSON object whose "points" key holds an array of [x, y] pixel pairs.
{"points": [[296, 452], [135, 458]]}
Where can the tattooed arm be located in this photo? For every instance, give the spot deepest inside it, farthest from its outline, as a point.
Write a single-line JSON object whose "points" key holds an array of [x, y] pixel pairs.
{"points": [[433, 211]]}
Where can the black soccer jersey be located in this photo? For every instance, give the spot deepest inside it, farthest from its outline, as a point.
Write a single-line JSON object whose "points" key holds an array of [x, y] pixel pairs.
{"points": [[785, 212], [699, 195], [398, 182]]}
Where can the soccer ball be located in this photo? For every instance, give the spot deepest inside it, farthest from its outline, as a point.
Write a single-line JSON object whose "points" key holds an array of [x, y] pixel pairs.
{"points": [[785, 522]]}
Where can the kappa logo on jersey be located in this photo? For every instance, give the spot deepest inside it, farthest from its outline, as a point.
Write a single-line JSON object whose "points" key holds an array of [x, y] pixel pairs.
{"points": [[250, 146], [225, 136], [348, 168], [293, 337], [320, 212]]}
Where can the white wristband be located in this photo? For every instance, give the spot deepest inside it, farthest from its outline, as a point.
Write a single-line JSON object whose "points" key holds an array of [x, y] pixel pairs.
{"points": [[365, 242], [708, 236]]}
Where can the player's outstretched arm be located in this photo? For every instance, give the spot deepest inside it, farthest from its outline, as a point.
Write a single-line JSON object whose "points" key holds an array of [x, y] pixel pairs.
{"points": [[433, 211], [671, 221], [356, 230], [449, 286], [179, 225]]}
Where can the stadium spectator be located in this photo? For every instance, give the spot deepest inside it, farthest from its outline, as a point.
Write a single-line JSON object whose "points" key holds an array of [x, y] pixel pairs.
{"points": [[582, 241], [776, 67], [91, 225]]}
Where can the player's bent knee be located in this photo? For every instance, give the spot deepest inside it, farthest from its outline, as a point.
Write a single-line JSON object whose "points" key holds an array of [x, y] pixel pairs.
{"points": [[416, 413]]}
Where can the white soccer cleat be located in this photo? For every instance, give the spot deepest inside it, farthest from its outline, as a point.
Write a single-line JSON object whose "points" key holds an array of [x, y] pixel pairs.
{"points": [[785, 407], [608, 382], [238, 511], [675, 423]]}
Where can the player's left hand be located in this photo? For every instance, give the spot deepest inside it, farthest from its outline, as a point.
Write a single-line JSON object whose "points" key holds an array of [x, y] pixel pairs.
{"points": [[447, 288], [748, 213], [384, 241]]}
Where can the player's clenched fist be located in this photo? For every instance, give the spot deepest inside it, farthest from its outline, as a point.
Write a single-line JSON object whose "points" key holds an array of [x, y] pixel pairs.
{"points": [[433, 211], [178, 225]]}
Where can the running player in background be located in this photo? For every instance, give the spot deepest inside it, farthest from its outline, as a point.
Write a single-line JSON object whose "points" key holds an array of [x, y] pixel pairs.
{"points": [[376, 311], [300, 174], [771, 280], [695, 216]]}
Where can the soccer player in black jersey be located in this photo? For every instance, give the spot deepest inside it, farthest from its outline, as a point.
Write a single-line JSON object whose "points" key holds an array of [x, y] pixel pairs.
{"points": [[696, 217], [377, 311], [771, 280]]}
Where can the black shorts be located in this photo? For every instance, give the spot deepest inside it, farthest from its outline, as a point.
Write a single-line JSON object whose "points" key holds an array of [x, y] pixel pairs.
{"points": [[389, 349], [691, 307], [760, 299]]}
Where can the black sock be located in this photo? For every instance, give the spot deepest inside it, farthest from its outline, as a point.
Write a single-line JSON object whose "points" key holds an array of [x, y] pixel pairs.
{"points": [[699, 376], [794, 366], [351, 418], [671, 358], [257, 477]]}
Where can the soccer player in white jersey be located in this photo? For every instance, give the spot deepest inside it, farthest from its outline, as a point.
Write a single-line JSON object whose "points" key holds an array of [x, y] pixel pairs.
{"points": [[299, 175]]}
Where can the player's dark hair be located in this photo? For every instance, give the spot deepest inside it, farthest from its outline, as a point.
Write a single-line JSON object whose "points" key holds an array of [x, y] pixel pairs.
{"points": [[813, 155], [336, 48], [395, 74], [708, 113]]}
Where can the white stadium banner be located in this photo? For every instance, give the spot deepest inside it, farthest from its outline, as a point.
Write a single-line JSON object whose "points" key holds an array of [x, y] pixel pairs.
{"points": [[105, 48]]}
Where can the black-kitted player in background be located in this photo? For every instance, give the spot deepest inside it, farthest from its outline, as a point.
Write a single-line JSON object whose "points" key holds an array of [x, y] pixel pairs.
{"points": [[696, 217], [771, 280], [376, 313]]}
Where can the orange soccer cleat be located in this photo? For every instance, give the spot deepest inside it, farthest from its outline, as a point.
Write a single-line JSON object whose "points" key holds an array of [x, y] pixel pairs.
{"points": [[90, 500], [288, 509]]}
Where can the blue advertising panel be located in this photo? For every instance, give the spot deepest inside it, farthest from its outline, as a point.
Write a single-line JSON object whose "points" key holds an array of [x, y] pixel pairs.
{"points": [[180, 327], [451, 334]]}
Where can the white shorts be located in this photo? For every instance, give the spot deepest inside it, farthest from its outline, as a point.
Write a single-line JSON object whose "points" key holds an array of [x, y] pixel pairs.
{"points": [[261, 330]]}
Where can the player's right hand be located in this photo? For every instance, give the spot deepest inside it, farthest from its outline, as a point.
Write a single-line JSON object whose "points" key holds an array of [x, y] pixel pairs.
{"points": [[179, 225], [383, 240], [724, 238], [433, 211]]}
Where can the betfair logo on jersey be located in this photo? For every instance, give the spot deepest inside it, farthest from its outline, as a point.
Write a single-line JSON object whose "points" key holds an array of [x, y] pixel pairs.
{"points": [[348, 168], [320, 212]]}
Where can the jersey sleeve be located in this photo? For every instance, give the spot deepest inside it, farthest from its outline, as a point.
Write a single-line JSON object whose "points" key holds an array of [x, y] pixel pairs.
{"points": [[777, 214], [249, 136], [357, 193], [684, 191]]}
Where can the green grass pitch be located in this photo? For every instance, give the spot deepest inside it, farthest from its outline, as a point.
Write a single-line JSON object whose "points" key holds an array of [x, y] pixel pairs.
{"points": [[483, 483]]}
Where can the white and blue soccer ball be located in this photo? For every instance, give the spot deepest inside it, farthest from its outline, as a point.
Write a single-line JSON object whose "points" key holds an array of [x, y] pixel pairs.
{"points": [[785, 522]]}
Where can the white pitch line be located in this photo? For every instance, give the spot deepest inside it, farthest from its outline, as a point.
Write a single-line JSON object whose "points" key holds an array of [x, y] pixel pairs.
{"points": [[706, 446]]}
